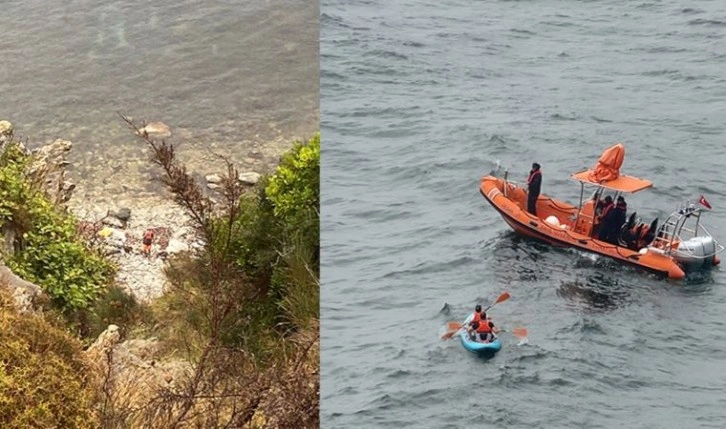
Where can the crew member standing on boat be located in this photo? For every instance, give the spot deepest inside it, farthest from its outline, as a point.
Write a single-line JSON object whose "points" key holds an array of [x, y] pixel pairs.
{"points": [[604, 207], [619, 215], [534, 185], [613, 221]]}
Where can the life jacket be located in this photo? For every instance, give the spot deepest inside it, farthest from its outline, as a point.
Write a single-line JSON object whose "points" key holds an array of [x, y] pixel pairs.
{"points": [[532, 175], [477, 317], [606, 209], [148, 236], [484, 327], [640, 240]]}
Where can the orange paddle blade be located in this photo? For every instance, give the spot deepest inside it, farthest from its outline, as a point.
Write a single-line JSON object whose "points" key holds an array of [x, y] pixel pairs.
{"points": [[448, 335], [520, 332], [454, 326], [503, 297]]}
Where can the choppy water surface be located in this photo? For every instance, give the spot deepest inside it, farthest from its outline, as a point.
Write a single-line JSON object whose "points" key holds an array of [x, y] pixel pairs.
{"points": [[419, 100], [218, 72]]}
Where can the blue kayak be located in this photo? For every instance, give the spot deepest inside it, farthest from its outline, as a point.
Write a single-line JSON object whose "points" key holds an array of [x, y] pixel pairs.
{"points": [[477, 346]]}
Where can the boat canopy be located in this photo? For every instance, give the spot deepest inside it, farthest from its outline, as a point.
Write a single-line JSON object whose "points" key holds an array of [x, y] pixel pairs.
{"points": [[622, 183], [606, 173]]}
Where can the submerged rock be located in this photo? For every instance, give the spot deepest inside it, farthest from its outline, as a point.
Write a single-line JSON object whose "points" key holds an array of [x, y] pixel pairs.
{"points": [[156, 129], [250, 178], [213, 178]]}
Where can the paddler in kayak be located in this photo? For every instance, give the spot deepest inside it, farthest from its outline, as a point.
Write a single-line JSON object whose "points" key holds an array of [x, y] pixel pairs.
{"points": [[477, 314], [484, 328]]}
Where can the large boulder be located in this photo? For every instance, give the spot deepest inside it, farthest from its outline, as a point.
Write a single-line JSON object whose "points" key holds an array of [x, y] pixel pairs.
{"points": [[27, 295], [6, 132], [123, 214], [131, 372], [48, 167]]}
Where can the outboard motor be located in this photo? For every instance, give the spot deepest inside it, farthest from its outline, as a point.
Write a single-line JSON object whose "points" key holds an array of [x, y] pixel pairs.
{"points": [[697, 252]]}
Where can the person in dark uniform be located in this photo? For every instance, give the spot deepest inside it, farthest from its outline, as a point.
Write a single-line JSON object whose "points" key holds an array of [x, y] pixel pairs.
{"points": [[534, 185], [604, 207], [613, 221]]}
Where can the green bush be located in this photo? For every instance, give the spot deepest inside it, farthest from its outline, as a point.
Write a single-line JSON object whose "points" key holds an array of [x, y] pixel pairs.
{"points": [[294, 189], [48, 251]]}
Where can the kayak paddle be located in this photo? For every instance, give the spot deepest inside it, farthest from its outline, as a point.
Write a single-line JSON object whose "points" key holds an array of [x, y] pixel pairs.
{"points": [[520, 333]]}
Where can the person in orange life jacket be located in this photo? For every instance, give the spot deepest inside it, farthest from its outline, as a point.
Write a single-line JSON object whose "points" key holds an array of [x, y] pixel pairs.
{"points": [[534, 185], [477, 314], [613, 221], [485, 328], [148, 238], [604, 206]]}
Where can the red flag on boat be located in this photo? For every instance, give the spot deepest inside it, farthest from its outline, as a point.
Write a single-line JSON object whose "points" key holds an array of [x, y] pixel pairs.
{"points": [[703, 202]]}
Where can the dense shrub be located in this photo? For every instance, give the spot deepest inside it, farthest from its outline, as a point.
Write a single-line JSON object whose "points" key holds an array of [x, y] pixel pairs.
{"points": [[294, 188], [47, 250], [42, 374]]}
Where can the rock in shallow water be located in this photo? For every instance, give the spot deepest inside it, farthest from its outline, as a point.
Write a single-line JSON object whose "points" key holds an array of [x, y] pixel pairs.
{"points": [[213, 178], [250, 178], [156, 129]]}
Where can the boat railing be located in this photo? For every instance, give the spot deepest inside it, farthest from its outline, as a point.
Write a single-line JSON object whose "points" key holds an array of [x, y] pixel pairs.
{"points": [[507, 182], [674, 230]]}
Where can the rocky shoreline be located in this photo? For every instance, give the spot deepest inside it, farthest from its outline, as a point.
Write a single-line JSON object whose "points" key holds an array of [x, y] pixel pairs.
{"points": [[116, 211]]}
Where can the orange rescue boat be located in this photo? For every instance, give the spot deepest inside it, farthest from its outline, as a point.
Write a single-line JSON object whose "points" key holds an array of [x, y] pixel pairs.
{"points": [[680, 245]]}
